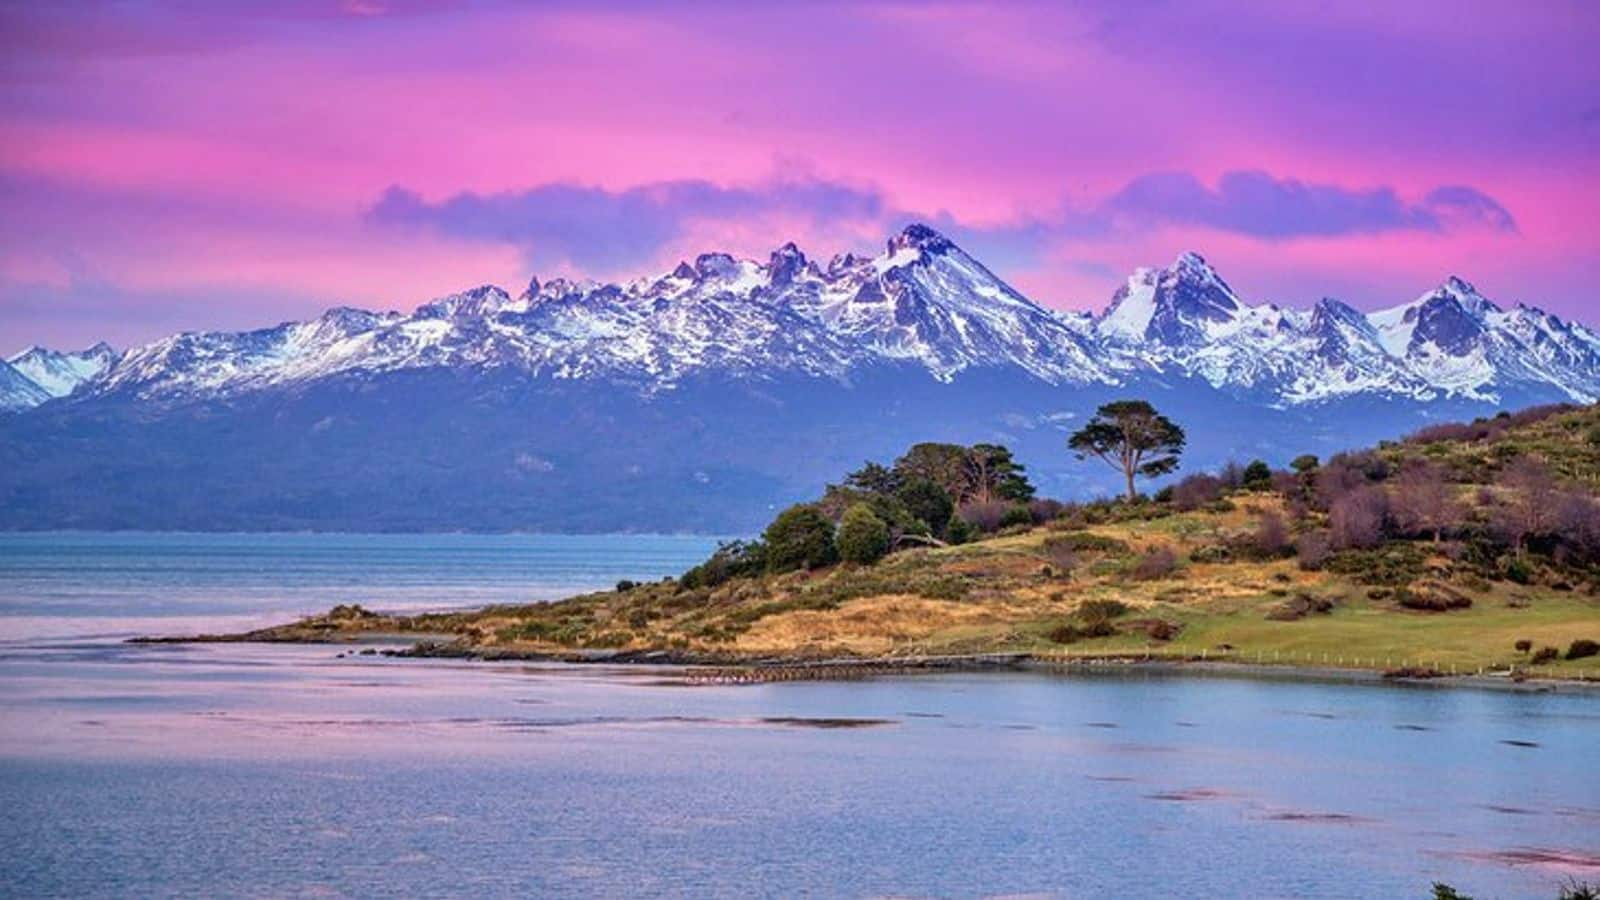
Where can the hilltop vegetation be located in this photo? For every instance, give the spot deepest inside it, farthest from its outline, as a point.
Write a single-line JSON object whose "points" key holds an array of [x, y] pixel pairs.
{"points": [[1460, 546]]}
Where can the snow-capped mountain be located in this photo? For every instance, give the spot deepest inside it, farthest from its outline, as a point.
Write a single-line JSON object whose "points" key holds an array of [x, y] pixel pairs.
{"points": [[1451, 342], [705, 397], [59, 374], [923, 302], [18, 391]]}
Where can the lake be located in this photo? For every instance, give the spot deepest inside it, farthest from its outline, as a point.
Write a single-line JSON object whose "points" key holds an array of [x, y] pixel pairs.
{"points": [[288, 770]]}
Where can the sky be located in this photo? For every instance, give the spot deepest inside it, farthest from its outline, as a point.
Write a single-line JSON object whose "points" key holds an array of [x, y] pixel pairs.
{"points": [[185, 165]]}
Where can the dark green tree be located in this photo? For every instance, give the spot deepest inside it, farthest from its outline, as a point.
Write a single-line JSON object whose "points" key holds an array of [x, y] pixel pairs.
{"points": [[863, 537], [801, 537], [1257, 476], [993, 475], [873, 478], [1131, 437], [929, 502], [942, 464]]}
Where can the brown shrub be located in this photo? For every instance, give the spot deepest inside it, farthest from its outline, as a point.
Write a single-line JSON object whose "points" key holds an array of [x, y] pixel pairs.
{"points": [[1357, 519], [1298, 607], [1158, 563], [1313, 549], [1424, 501], [1431, 596], [1196, 491], [1063, 558], [1271, 539], [986, 517]]}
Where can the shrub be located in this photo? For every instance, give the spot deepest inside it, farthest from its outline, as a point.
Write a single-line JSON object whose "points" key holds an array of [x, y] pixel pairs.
{"points": [[1517, 571], [1431, 597], [626, 585], [1042, 511], [1583, 648], [1089, 542], [1157, 563], [1101, 610], [1546, 654], [958, 530], [1395, 564], [1061, 554], [1210, 553], [1016, 515], [1196, 491], [1356, 520], [1524, 645], [1531, 503], [1065, 633], [1579, 518], [986, 517], [1271, 539], [731, 559], [1313, 550], [1442, 891], [801, 537], [863, 537], [1298, 607], [1424, 502], [1162, 630]]}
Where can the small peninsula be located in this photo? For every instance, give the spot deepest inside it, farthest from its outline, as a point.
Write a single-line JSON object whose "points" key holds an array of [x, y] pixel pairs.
{"points": [[1469, 548]]}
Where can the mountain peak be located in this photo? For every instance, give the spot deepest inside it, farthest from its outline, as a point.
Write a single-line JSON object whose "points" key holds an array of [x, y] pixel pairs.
{"points": [[485, 298], [785, 263], [918, 236], [1180, 304]]}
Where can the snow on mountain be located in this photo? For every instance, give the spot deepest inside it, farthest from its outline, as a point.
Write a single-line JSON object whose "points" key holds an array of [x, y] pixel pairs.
{"points": [[59, 374], [18, 391], [1449, 342], [922, 303]]}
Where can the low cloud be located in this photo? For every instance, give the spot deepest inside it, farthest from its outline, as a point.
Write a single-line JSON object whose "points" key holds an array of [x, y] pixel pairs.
{"points": [[604, 230], [608, 232], [1260, 205]]}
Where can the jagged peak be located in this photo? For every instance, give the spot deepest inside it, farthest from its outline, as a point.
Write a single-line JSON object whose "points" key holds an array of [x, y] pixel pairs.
{"points": [[711, 265], [1461, 292], [918, 236], [785, 263], [484, 298]]}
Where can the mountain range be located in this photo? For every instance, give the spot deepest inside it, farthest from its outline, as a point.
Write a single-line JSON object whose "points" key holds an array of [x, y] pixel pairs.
{"points": [[701, 398]]}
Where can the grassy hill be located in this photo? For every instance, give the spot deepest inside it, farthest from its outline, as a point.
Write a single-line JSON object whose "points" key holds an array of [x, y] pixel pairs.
{"points": [[1278, 572]]}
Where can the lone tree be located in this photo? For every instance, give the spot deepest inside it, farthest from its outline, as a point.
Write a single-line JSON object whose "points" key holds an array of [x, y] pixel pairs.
{"points": [[1130, 436]]}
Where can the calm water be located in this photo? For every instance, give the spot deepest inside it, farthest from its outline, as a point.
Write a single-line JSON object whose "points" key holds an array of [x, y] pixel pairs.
{"points": [[115, 584], [228, 770]]}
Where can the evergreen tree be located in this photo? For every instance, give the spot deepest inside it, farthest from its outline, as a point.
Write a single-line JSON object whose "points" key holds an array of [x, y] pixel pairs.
{"points": [[1131, 437], [863, 537], [801, 537]]}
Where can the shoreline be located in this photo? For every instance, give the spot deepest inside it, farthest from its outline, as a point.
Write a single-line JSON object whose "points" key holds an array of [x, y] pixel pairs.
{"points": [[769, 668]]}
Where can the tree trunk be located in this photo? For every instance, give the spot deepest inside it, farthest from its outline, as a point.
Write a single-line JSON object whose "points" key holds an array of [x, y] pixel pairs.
{"points": [[1132, 495]]}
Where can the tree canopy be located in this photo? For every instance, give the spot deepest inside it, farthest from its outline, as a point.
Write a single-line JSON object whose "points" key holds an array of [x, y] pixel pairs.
{"points": [[1130, 436]]}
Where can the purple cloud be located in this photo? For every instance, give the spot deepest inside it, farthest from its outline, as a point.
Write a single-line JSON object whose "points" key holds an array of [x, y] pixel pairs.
{"points": [[1261, 205], [606, 230]]}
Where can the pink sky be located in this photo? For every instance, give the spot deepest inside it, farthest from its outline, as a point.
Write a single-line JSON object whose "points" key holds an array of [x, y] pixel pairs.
{"points": [[166, 166]]}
